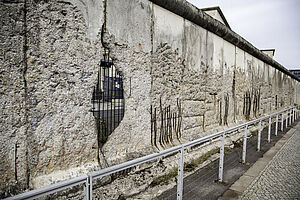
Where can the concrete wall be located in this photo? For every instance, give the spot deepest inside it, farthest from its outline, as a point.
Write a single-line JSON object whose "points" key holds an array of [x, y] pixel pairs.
{"points": [[50, 52]]}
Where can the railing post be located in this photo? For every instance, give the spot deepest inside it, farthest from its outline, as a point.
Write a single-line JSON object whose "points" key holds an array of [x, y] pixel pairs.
{"points": [[276, 126], [244, 145], [290, 117], [180, 174], [221, 161], [293, 115], [259, 136], [269, 131], [88, 188], [286, 120], [281, 121], [91, 187]]}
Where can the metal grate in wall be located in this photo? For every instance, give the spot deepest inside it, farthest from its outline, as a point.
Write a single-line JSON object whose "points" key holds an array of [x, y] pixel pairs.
{"points": [[108, 99]]}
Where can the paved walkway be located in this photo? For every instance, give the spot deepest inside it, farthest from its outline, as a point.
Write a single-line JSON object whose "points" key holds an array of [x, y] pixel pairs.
{"points": [[275, 176], [281, 178]]}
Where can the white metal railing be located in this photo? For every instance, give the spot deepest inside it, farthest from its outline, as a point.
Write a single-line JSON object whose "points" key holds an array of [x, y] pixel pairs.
{"points": [[291, 115]]}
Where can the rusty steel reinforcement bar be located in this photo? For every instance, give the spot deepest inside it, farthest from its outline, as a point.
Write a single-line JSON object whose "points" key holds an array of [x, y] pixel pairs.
{"points": [[197, 16], [87, 179]]}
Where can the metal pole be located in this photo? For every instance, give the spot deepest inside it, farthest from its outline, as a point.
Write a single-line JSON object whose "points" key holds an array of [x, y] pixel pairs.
{"points": [[276, 127], [259, 136], [293, 119], [87, 189], [286, 120], [290, 117], [269, 131], [91, 187], [221, 161], [281, 121], [180, 174], [244, 145]]}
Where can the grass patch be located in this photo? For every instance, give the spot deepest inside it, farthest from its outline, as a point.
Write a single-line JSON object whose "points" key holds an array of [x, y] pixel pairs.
{"points": [[188, 167], [226, 150], [221, 183], [254, 133], [164, 178], [238, 144], [209, 167]]}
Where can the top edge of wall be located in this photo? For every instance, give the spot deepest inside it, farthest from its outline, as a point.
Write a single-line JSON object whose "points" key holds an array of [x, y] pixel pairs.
{"points": [[195, 15]]}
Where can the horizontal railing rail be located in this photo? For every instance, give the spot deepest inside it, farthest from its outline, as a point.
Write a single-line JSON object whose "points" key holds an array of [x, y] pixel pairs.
{"points": [[291, 115]]}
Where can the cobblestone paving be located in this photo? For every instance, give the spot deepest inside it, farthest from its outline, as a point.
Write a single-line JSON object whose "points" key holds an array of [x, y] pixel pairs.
{"points": [[281, 178]]}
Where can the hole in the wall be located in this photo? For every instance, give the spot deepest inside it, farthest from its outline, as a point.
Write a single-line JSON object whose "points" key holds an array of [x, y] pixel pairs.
{"points": [[108, 100]]}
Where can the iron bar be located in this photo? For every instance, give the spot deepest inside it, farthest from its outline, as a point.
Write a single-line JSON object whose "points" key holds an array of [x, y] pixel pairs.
{"points": [[152, 124], [107, 103], [155, 129], [101, 110], [111, 79], [166, 126], [161, 125], [269, 130]]}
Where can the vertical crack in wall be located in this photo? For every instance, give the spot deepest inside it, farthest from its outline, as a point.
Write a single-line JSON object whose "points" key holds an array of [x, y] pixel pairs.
{"points": [[104, 27], [233, 96], [100, 153], [206, 79], [25, 48], [152, 45], [15, 160]]}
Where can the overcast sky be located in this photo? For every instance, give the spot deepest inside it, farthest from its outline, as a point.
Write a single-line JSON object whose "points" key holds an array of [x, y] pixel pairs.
{"points": [[265, 24]]}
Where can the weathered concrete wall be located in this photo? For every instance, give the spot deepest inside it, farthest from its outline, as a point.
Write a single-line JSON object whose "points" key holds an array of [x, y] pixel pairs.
{"points": [[13, 86], [49, 61], [47, 72]]}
